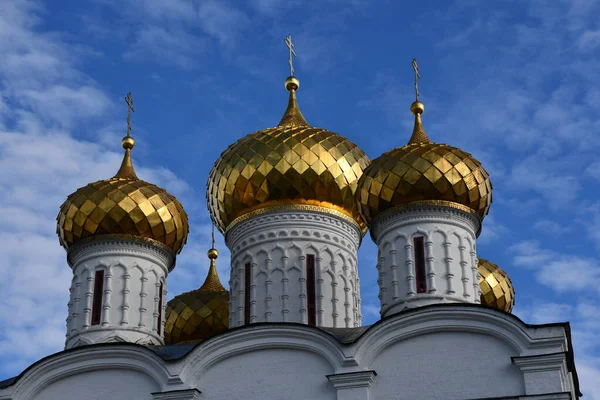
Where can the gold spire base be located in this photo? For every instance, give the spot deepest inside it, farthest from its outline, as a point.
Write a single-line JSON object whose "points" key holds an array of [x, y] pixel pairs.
{"points": [[126, 171], [293, 116], [418, 136], [212, 283]]}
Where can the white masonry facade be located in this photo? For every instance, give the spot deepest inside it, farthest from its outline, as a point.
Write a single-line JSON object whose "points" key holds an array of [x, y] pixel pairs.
{"points": [[448, 351], [426, 255], [129, 275], [279, 255]]}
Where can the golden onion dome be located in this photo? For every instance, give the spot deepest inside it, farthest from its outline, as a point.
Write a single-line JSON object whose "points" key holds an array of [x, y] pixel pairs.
{"points": [[123, 205], [290, 164], [496, 287], [424, 172], [201, 313]]}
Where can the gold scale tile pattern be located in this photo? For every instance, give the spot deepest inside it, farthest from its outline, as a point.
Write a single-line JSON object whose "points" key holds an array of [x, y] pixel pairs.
{"points": [[289, 164], [496, 287], [123, 206], [196, 315], [423, 171]]}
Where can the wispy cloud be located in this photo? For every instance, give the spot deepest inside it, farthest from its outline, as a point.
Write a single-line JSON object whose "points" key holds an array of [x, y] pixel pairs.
{"points": [[43, 94], [493, 232], [167, 46], [221, 21], [562, 272], [552, 228], [179, 32]]}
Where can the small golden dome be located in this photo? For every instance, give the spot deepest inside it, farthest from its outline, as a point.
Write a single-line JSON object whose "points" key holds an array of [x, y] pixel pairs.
{"points": [[422, 171], [293, 163], [201, 313], [496, 287], [125, 205]]}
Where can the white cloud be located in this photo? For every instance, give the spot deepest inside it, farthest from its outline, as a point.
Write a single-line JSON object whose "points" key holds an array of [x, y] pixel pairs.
{"points": [[519, 206], [492, 231], [166, 46], [593, 170], [221, 21], [552, 228], [370, 312], [42, 163], [560, 271], [177, 32]]}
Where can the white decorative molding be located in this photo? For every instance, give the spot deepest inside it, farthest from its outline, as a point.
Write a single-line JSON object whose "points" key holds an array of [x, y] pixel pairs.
{"points": [[110, 245], [545, 373], [133, 271], [89, 359], [107, 298], [448, 236], [267, 226], [275, 244], [183, 394], [539, 355], [352, 385], [452, 216], [351, 380]]}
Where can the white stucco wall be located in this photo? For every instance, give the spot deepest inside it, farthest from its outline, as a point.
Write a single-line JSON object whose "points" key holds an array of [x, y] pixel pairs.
{"points": [[446, 366], [114, 384], [450, 257], [438, 352], [275, 374], [133, 272], [276, 245]]}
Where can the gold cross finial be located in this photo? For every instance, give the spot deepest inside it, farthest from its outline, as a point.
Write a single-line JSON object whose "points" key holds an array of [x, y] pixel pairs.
{"points": [[130, 108], [417, 76], [290, 45]]}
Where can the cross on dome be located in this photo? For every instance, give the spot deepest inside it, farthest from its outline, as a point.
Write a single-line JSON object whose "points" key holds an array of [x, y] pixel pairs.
{"points": [[417, 76], [290, 45]]}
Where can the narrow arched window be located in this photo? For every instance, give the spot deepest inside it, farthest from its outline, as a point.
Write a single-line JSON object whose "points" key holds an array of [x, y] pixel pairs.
{"points": [[247, 283], [420, 273], [97, 297], [311, 298]]}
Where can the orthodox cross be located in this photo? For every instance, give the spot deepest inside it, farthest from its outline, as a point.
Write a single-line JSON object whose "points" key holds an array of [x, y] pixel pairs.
{"points": [[130, 108], [417, 76], [290, 45]]}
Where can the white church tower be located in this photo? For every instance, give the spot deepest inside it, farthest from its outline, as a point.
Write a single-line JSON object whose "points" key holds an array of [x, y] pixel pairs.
{"points": [[425, 203], [121, 235], [284, 198]]}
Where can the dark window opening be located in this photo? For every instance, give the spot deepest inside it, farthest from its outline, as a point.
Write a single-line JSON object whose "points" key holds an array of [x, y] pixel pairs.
{"points": [[97, 296], [420, 265], [311, 298], [160, 301], [248, 277]]}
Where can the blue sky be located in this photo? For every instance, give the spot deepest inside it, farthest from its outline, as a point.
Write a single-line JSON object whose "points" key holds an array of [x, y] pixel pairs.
{"points": [[515, 83]]}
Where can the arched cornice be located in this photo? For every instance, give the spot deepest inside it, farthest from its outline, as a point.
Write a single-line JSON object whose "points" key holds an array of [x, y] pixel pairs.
{"points": [[263, 336], [91, 358], [524, 339]]}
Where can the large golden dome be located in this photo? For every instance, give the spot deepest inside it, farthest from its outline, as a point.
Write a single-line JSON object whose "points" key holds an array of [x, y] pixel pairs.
{"points": [[292, 163], [496, 287], [423, 171], [201, 313], [125, 205]]}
